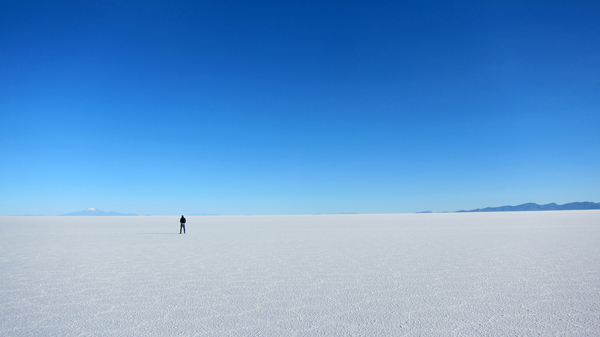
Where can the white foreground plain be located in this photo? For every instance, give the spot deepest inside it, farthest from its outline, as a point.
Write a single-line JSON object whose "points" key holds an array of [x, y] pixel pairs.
{"points": [[454, 274]]}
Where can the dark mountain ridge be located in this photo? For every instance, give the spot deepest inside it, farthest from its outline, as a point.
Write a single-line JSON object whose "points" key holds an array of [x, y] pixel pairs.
{"points": [[535, 207]]}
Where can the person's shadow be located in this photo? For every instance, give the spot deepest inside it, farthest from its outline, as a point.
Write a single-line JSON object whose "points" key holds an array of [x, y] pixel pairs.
{"points": [[157, 233]]}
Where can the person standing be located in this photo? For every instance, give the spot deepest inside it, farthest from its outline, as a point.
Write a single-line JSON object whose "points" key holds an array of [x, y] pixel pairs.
{"points": [[182, 225]]}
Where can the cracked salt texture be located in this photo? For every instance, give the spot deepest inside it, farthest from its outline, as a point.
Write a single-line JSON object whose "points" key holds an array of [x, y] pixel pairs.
{"points": [[456, 274]]}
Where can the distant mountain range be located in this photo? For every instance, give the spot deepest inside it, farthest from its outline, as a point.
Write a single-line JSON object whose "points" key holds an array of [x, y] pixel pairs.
{"points": [[519, 208], [535, 207], [95, 212]]}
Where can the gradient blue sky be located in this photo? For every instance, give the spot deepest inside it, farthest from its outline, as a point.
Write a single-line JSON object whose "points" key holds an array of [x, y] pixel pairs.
{"points": [[276, 107]]}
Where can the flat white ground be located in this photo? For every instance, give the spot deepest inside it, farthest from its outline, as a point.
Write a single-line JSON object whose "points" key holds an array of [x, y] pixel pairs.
{"points": [[457, 274]]}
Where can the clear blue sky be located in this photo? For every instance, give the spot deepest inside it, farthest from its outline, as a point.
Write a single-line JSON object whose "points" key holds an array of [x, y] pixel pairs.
{"points": [[279, 107]]}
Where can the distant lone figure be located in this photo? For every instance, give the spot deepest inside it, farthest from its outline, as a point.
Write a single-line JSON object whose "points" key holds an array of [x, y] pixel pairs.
{"points": [[182, 225]]}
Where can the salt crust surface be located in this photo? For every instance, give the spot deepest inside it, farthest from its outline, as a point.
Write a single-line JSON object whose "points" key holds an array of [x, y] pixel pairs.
{"points": [[457, 274]]}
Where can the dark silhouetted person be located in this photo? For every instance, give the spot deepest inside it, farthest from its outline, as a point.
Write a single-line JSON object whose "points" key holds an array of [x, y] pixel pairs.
{"points": [[182, 225]]}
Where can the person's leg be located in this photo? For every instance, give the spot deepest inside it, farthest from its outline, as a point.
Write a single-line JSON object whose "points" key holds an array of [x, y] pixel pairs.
{"points": [[180, 227], [183, 229]]}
